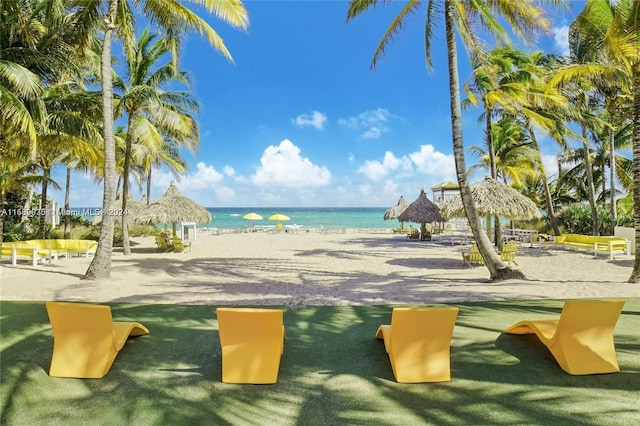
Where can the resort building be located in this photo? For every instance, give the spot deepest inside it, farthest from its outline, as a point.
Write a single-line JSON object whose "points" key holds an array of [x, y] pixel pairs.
{"points": [[445, 191]]}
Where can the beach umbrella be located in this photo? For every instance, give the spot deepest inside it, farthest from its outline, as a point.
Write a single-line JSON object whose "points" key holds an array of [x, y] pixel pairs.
{"points": [[279, 217], [421, 211], [173, 207], [396, 210], [494, 198], [252, 216]]}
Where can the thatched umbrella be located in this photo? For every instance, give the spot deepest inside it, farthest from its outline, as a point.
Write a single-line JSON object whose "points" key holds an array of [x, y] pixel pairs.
{"points": [[421, 211], [395, 211], [493, 198], [173, 207]]}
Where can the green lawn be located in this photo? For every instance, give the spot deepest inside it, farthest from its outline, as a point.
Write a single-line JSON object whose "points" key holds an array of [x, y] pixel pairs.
{"points": [[333, 371]]}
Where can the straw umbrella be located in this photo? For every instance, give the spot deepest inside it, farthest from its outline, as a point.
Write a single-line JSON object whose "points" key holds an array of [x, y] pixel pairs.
{"points": [[421, 211], [494, 198], [173, 207], [395, 211]]}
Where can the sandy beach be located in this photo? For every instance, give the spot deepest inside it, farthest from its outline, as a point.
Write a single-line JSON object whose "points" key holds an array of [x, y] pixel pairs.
{"points": [[311, 268]]}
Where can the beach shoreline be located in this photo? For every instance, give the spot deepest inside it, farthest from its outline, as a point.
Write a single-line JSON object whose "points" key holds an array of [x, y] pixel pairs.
{"points": [[354, 267]]}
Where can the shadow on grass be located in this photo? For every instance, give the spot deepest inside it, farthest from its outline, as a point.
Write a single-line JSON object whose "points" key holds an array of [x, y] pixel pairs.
{"points": [[333, 371]]}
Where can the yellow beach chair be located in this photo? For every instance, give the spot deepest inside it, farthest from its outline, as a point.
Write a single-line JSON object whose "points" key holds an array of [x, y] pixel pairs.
{"points": [[418, 343], [86, 340], [252, 342], [581, 340], [473, 257], [509, 251], [180, 246]]}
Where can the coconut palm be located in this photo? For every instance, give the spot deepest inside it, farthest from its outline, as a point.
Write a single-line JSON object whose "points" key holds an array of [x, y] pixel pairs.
{"points": [[173, 19], [154, 112], [524, 19]]}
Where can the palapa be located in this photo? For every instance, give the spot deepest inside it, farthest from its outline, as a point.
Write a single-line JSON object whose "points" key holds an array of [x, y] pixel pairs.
{"points": [[396, 210], [422, 210], [173, 207], [493, 198]]}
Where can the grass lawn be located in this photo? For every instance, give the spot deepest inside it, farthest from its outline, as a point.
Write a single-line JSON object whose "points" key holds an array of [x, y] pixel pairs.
{"points": [[333, 372]]}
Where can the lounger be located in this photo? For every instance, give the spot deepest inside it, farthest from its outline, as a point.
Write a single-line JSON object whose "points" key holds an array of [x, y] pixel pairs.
{"points": [[252, 342], [474, 257], [581, 340], [418, 343], [86, 340]]}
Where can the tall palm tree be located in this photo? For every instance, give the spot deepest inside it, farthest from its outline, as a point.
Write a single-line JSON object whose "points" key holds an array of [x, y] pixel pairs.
{"points": [[173, 19], [523, 17], [154, 111]]}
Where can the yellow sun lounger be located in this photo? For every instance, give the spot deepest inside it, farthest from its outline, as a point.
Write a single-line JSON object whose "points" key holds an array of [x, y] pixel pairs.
{"points": [[581, 340], [252, 342], [85, 339], [418, 342]]}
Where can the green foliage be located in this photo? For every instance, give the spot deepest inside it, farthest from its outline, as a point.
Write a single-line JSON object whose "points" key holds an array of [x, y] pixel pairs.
{"points": [[576, 219]]}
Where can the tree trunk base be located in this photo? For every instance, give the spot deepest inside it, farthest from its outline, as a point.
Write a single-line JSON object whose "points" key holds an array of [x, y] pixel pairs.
{"points": [[508, 274]]}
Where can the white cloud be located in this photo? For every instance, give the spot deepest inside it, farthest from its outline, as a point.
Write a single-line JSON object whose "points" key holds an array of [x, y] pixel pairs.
{"points": [[314, 119], [376, 170], [373, 123], [550, 163], [434, 163], [561, 38], [228, 170], [283, 165], [205, 177]]}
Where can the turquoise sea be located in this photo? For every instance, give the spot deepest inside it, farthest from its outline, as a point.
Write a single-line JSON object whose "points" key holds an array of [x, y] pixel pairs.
{"points": [[328, 217]]}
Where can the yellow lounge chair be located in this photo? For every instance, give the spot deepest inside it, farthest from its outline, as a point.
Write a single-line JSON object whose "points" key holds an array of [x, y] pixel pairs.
{"points": [[418, 342], [163, 244], [473, 257], [180, 246], [86, 340], [252, 342], [509, 251], [581, 340]]}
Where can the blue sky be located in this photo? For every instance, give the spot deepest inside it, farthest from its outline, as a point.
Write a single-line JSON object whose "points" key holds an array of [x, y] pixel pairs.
{"points": [[300, 120]]}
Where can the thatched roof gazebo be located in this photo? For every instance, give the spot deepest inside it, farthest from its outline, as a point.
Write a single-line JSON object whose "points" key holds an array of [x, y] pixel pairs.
{"points": [[173, 207], [421, 211], [396, 210], [493, 198]]}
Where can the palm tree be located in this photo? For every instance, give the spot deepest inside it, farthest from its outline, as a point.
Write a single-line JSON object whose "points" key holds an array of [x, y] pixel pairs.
{"points": [[154, 111], [524, 19], [174, 20]]}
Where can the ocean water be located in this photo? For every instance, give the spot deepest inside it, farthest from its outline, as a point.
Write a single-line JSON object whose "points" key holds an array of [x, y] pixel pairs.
{"points": [[358, 217], [327, 217]]}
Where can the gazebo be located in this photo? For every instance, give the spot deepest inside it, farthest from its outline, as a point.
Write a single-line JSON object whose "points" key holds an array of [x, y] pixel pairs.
{"points": [[421, 211]]}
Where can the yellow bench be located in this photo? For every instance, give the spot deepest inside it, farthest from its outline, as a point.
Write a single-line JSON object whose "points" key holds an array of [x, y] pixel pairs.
{"points": [[581, 340], [17, 250], [590, 242]]}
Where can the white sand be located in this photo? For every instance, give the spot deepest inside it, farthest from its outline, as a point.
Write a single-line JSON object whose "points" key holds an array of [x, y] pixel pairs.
{"points": [[316, 269]]}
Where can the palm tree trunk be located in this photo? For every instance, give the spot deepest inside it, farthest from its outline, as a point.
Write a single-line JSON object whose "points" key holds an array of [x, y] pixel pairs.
{"points": [[591, 188], [126, 247], [67, 207], [100, 266], [612, 176], [547, 192], [497, 269], [497, 236], [149, 187], [635, 274], [42, 219]]}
